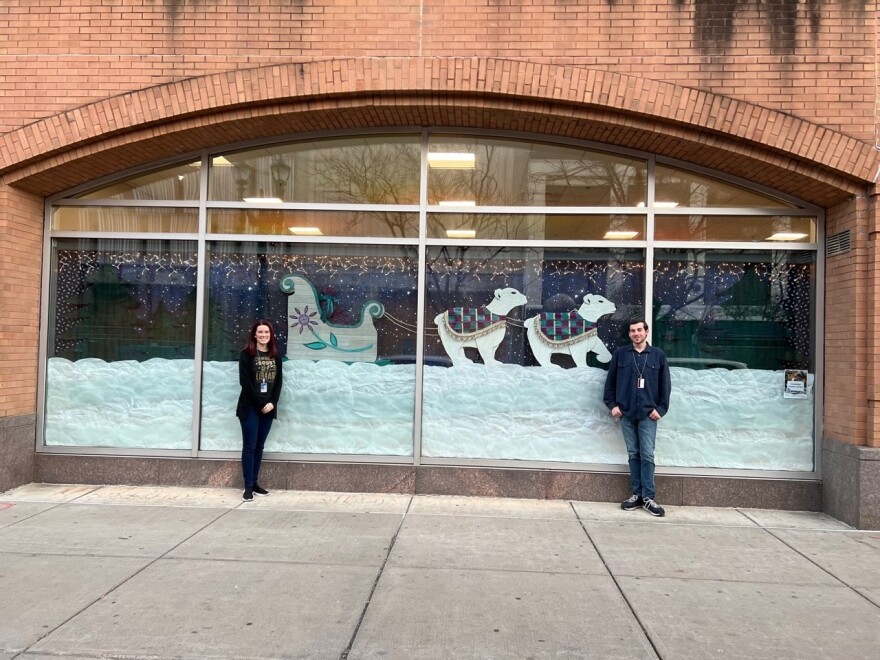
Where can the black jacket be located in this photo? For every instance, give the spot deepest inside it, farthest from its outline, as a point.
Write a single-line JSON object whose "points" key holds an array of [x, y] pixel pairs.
{"points": [[250, 398], [620, 384]]}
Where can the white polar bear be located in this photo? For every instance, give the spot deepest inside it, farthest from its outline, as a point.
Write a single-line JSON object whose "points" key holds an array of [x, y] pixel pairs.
{"points": [[570, 333], [482, 328]]}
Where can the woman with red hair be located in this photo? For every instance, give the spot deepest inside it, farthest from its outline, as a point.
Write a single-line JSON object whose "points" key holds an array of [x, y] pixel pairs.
{"points": [[259, 374]]}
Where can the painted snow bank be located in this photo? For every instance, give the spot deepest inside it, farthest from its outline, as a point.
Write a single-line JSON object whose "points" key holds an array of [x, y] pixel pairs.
{"points": [[718, 418]]}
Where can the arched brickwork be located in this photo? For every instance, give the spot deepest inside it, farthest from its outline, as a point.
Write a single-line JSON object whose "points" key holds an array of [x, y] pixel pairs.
{"points": [[732, 136]]}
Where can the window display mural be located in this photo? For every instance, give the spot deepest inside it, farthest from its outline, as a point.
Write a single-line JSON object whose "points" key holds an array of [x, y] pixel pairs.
{"points": [[120, 358], [345, 319], [525, 332], [520, 263]]}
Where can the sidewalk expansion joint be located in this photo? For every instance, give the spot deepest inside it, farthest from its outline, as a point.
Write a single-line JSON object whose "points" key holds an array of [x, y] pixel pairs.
{"points": [[617, 584], [357, 627]]}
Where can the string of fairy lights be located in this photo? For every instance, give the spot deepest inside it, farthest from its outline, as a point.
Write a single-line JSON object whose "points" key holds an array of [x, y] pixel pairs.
{"points": [[238, 278]]}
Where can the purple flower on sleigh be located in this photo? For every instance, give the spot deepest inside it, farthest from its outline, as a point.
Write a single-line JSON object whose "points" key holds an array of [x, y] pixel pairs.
{"points": [[303, 319]]}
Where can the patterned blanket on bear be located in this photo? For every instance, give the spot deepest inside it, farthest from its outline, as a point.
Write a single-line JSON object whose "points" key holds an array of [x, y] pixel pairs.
{"points": [[563, 326], [468, 320]]}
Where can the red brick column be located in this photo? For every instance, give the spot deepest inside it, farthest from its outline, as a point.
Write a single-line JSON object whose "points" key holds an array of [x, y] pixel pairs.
{"points": [[21, 234]]}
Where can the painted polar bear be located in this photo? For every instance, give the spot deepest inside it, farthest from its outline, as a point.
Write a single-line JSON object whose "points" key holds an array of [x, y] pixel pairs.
{"points": [[482, 328], [570, 333]]}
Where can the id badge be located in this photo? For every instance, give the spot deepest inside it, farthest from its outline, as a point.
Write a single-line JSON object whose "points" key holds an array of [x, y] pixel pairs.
{"points": [[264, 387], [640, 383]]}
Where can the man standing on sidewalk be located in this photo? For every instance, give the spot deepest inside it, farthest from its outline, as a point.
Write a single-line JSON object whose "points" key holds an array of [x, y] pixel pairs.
{"points": [[637, 392]]}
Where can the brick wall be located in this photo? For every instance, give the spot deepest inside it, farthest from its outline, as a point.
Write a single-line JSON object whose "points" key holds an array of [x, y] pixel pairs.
{"points": [[847, 364], [810, 58], [872, 327], [21, 236]]}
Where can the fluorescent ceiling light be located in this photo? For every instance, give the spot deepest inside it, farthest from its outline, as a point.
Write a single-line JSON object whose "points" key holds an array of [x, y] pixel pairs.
{"points": [[262, 200], [461, 233], [452, 161], [306, 231], [620, 235], [786, 236], [463, 202]]}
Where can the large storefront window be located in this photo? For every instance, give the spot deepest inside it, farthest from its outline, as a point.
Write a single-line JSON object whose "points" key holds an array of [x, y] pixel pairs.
{"points": [[734, 324], [514, 348], [121, 344], [438, 298], [345, 318]]}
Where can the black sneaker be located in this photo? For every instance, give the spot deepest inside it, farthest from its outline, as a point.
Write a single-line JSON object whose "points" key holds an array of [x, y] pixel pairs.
{"points": [[248, 495], [259, 490], [631, 503], [653, 508]]}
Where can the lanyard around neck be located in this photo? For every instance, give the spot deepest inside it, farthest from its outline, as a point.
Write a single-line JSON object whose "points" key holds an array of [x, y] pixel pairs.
{"points": [[641, 371]]}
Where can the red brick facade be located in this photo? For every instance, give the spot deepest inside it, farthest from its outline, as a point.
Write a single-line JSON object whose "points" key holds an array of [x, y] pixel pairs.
{"points": [[781, 93]]}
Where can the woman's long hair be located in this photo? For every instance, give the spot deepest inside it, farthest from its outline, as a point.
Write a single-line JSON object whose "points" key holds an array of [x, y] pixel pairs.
{"points": [[251, 346]]}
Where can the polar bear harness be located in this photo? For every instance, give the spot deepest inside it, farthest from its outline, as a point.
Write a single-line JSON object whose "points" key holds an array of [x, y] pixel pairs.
{"points": [[560, 328]]}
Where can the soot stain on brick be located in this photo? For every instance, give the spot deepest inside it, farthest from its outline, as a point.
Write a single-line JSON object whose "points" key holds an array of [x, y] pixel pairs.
{"points": [[174, 7], [715, 22]]}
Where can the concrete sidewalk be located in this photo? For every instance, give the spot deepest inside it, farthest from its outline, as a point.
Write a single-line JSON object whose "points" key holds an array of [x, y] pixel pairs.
{"points": [[139, 572]]}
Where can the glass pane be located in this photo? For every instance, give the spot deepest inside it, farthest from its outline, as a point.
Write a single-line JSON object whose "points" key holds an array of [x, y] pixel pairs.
{"points": [[125, 219], [781, 228], [533, 226], [121, 343], [357, 170], [314, 223], [675, 187], [490, 172], [180, 182], [346, 320], [732, 323], [499, 325]]}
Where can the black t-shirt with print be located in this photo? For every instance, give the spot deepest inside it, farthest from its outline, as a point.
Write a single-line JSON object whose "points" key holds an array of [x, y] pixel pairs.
{"points": [[264, 372]]}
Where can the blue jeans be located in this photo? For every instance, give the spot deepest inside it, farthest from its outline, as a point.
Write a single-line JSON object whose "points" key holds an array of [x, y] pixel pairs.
{"points": [[639, 437], [254, 431]]}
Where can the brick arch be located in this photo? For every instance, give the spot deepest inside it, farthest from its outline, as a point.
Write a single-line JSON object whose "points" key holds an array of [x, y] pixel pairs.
{"points": [[722, 133]]}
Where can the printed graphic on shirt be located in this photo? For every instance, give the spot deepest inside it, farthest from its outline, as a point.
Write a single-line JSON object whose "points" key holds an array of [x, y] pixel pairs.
{"points": [[264, 368]]}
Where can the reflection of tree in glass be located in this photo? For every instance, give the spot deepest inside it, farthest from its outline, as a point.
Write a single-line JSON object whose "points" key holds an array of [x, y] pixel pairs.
{"points": [[453, 269], [751, 308], [587, 181], [371, 174], [753, 299], [511, 226], [481, 183]]}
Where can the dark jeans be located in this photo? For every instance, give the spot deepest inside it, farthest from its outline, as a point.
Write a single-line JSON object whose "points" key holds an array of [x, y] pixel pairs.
{"points": [[639, 437], [254, 431]]}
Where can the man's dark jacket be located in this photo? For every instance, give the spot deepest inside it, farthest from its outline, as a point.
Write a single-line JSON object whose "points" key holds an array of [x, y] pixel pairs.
{"points": [[620, 384]]}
